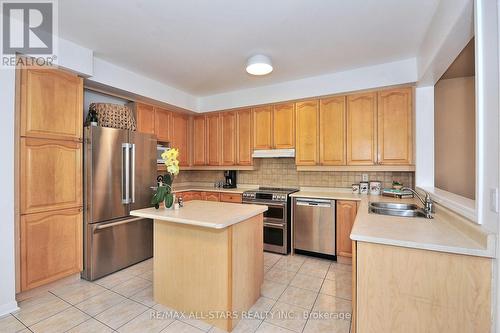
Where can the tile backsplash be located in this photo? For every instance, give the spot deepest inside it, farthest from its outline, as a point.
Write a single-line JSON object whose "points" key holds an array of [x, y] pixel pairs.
{"points": [[282, 172]]}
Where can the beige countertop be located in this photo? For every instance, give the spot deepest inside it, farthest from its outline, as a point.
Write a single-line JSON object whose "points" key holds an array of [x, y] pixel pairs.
{"points": [[446, 232], [209, 214]]}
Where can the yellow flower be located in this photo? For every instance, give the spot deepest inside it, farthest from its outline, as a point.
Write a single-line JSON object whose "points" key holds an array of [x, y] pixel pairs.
{"points": [[171, 162]]}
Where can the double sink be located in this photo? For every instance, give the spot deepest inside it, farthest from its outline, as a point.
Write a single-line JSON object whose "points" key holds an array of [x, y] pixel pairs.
{"points": [[395, 209]]}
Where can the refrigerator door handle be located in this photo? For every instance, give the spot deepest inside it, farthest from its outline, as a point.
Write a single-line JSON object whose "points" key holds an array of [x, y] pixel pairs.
{"points": [[132, 173], [125, 173]]}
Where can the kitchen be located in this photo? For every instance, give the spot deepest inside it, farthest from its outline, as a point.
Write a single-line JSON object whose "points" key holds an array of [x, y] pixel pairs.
{"points": [[275, 199]]}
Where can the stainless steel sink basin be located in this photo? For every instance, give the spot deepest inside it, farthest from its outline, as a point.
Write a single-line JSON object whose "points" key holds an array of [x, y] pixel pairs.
{"points": [[393, 205], [395, 209], [397, 212]]}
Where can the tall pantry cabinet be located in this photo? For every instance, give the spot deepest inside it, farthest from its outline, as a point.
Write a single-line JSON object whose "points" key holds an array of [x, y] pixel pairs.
{"points": [[49, 121]]}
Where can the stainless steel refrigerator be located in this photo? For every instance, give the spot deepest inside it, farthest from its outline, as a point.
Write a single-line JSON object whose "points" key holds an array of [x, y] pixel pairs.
{"points": [[119, 169]]}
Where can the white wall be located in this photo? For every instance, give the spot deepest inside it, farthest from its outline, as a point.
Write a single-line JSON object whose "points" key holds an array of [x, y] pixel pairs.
{"points": [[451, 28], [424, 136], [393, 73], [487, 111], [7, 266], [127, 81]]}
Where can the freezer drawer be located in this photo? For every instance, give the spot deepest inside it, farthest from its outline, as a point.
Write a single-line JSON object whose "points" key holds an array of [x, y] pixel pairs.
{"points": [[314, 225], [114, 245]]}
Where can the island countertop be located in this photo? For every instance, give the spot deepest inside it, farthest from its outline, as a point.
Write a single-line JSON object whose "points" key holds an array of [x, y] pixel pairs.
{"points": [[208, 214]]}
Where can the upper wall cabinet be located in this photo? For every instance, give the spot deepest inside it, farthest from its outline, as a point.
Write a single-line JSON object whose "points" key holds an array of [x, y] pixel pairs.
{"points": [[262, 127], [51, 104], [199, 140], [145, 116], [214, 139], [332, 138], [180, 133], [162, 124], [361, 129], [395, 139], [228, 135], [307, 133], [284, 126], [244, 137]]}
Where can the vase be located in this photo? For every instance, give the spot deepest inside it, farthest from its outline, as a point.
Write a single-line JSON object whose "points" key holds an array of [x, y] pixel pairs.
{"points": [[171, 206]]}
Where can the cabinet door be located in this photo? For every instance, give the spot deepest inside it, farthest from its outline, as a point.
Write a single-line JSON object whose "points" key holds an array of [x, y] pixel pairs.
{"points": [[244, 137], [51, 175], [213, 139], [332, 136], [199, 140], [51, 104], [361, 129], [228, 134], [346, 214], [51, 246], [284, 126], [145, 115], [395, 138], [162, 124], [230, 197], [180, 131], [262, 127], [210, 196], [307, 133]]}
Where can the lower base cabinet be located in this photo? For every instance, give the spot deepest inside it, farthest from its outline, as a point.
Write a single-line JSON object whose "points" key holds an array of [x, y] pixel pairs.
{"points": [[210, 196], [51, 246], [346, 214], [404, 290]]}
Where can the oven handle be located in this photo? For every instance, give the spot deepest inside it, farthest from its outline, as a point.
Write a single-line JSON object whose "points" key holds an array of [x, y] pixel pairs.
{"points": [[265, 203], [274, 225]]}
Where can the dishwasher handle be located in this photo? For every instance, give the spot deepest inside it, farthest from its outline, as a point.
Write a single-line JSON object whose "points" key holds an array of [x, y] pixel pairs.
{"points": [[314, 203]]}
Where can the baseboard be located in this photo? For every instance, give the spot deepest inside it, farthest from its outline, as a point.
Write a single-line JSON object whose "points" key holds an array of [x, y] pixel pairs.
{"points": [[8, 308]]}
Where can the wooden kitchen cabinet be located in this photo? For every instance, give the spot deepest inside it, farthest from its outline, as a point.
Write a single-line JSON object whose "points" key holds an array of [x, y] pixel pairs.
{"points": [[400, 290], [244, 134], [199, 140], [346, 214], [51, 246], [307, 133], [145, 117], [395, 138], [50, 176], [50, 104], [189, 195], [362, 129], [179, 140], [332, 131], [214, 139], [284, 126], [210, 196], [262, 127], [228, 136], [162, 124], [230, 197]]}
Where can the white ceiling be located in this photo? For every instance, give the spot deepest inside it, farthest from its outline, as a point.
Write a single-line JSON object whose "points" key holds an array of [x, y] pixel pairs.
{"points": [[201, 47]]}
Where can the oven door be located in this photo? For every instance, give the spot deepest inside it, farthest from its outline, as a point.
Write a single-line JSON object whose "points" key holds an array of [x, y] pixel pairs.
{"points": [[275, 237]]}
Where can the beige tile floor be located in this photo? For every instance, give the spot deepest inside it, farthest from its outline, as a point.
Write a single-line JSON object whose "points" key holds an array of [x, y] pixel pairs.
{"points": [[299, 294]]}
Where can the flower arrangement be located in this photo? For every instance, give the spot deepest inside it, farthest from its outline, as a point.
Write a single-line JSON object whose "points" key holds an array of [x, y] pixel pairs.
{"points": [[164, 191]]}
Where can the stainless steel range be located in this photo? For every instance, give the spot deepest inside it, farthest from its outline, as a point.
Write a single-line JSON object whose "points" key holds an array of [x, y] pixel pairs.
{"points": [[277, 225]]}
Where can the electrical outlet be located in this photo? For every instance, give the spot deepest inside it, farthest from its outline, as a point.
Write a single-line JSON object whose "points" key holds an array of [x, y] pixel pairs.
{"points": [[364, 176], [494, 200]]}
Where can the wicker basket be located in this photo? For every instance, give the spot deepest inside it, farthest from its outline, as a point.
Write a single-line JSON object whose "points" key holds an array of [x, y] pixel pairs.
{"points": [[114, 115]]}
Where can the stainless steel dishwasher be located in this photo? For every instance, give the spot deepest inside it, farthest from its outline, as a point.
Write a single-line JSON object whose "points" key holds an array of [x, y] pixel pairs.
{"points": [[314, 226]]}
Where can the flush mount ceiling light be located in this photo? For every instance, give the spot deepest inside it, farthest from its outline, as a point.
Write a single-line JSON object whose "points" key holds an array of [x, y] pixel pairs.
{"points": [[259, 65]]}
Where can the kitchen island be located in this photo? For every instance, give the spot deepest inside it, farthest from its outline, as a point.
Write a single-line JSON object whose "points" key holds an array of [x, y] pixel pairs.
{"points": [[208, 259]]}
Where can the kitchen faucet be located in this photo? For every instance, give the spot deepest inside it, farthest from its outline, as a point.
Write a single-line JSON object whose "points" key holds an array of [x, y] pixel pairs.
{"points": [[427, 202]]}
